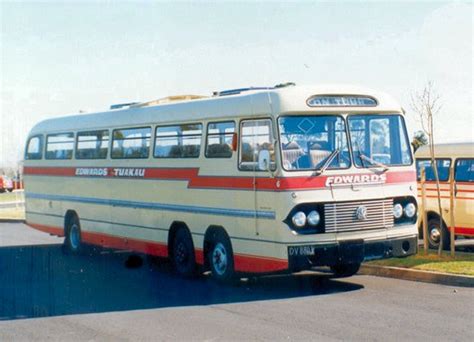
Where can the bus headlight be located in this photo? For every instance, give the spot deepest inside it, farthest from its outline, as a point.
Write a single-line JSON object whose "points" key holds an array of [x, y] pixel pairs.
{"points": [[299, 219], [314, 218], [410, 210], [397, 210]]}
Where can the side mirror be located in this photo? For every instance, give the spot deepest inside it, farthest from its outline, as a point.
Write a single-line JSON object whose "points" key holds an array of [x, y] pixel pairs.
{"points": [[264, 160]]}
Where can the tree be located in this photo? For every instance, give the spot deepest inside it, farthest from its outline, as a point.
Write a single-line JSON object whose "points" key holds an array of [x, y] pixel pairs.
{"points": [[419, 139], [426, 105]]}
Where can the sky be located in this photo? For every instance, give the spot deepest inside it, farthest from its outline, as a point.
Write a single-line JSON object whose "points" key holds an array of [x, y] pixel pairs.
{"points": [[60, 58]]}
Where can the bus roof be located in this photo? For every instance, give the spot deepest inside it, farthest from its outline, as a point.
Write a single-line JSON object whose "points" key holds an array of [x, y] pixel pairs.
{"points": [[456, 150], [254, 102]]}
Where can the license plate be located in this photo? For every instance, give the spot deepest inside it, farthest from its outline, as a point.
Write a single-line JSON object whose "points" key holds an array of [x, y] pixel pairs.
{"points": [[301, 250]]}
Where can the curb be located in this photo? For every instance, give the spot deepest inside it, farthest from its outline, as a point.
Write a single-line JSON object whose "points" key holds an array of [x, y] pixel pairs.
{"points": [[417, 275]]}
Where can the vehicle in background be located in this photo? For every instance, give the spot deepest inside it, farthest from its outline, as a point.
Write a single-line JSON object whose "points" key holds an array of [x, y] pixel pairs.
{"points": [[6, 184], [257, 180], [459, 156]]}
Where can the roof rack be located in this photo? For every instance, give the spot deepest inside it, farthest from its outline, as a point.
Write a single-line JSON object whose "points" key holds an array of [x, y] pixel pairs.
{"points": [[169, 99], [241, 90], [121, 105]]}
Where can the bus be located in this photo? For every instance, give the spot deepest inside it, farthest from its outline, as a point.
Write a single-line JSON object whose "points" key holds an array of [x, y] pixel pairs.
{"points": [[246, 181], [459, 156]]}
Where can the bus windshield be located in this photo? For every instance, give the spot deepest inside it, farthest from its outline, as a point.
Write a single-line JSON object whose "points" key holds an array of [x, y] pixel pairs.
{"points": [[379, 140], [308, 142]]}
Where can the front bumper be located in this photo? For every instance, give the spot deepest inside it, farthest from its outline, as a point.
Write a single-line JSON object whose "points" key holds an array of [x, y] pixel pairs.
{"points": [[303, 257]]}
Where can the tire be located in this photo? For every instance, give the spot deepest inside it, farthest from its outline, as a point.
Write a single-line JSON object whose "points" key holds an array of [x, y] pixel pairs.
{"points": [[221, 258], [183, 256], [73, 242], [434, 234], [345, 270]]}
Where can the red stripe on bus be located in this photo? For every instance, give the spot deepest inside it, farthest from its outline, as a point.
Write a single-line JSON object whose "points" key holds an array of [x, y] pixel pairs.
{"points": [[463, 231], [223, 182], [242, 262], [47, 229]]}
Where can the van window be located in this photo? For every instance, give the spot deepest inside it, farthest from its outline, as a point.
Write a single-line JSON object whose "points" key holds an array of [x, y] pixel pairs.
{"points": [[219, 139], [34, 148], [182, 141], [464, 170], [59, 146], [255, 136], [92, 145], [131, 143], [443, 166]]}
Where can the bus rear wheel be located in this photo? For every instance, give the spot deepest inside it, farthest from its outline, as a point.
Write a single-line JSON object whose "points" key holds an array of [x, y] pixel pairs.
{"points": [[221, 258], [73, 241], [183, 257], [345, 270]]}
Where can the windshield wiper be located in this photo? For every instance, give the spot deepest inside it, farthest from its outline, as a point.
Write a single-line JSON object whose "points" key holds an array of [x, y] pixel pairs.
{"points": [[372, 161], [328, 162]]}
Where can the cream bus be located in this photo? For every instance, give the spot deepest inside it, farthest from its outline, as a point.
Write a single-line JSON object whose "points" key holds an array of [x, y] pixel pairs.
{"points": [[459, 156], [255, 180]]}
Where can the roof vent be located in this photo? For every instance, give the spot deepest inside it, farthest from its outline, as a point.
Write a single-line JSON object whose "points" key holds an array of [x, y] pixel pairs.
{"points": [[241, 90]]}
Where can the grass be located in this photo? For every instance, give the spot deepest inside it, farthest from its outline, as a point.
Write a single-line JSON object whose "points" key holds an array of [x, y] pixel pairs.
{"points": [[461, 263], [12, 214]]}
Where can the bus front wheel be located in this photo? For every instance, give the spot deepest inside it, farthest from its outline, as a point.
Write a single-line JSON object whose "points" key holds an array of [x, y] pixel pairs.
{"points": [[183, 257], [221, 258], [73, 242], [345, 270]]}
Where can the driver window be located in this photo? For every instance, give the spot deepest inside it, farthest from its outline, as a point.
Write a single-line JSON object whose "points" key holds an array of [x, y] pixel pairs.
{"points": [[255, 136]]}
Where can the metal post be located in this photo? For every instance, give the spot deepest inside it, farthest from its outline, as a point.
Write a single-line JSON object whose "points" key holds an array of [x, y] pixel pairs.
{"points": [[451, 209]]}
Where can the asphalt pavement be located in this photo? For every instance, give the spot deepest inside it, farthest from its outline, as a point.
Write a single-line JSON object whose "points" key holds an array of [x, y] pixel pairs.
{"points": [[45, 295]]}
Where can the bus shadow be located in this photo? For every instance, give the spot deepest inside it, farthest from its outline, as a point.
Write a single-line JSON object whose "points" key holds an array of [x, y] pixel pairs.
{"points": [[39, 281]]}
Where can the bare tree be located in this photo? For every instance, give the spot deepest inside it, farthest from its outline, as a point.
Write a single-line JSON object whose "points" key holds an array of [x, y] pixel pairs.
{"points": [[426, 105]]}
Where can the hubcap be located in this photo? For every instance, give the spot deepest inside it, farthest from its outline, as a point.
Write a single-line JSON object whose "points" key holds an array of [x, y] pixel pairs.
{"points": [[435, 234], [219, 258], [74, 237]]}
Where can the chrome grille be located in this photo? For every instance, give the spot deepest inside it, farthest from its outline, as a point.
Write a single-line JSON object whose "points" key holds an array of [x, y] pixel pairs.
{"points": [[342, 217]]}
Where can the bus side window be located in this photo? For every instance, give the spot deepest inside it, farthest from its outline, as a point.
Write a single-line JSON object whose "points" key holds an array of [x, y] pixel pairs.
{"points": [[133, 143], [34, 150], [464, 170], [219, 139], [182, 141], [59, 146], [443, 166], [92, 145], [255, 135]]}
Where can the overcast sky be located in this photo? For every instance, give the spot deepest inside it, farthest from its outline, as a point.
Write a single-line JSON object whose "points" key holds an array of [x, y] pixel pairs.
{"points": [[62, 57]]}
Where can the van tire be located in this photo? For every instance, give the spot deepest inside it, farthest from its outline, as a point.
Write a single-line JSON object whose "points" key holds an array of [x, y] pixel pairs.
{"points": [[73, 242], [434, 234], [220, 257], [183, 256]]}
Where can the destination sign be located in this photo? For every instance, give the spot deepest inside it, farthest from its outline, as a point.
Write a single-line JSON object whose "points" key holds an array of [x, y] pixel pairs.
{"points": [[341, 101]]}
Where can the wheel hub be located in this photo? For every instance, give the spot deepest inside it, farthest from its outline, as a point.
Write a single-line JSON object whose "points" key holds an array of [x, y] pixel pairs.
{"points": [[74, 237], [435, 234], [219, 259]]}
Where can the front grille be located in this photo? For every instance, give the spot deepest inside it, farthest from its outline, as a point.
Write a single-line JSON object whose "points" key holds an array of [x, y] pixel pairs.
{"points": [[342, 217]]}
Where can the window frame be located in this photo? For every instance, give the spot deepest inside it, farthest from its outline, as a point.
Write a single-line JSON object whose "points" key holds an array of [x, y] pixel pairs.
{"points": [[456, 168], [436, 159], [240, 136], [174, 125], [42, 145], [129, 128], [218, 134], [76, 147], [56, 134]]}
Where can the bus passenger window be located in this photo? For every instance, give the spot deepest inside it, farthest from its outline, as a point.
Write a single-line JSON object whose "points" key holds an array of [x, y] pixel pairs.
{"points": [[443, 166], [255, 135], [133, 143], [464, 170], [219, 139], [183, 141], [34, 150], [92, 145], [59, 146]]}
